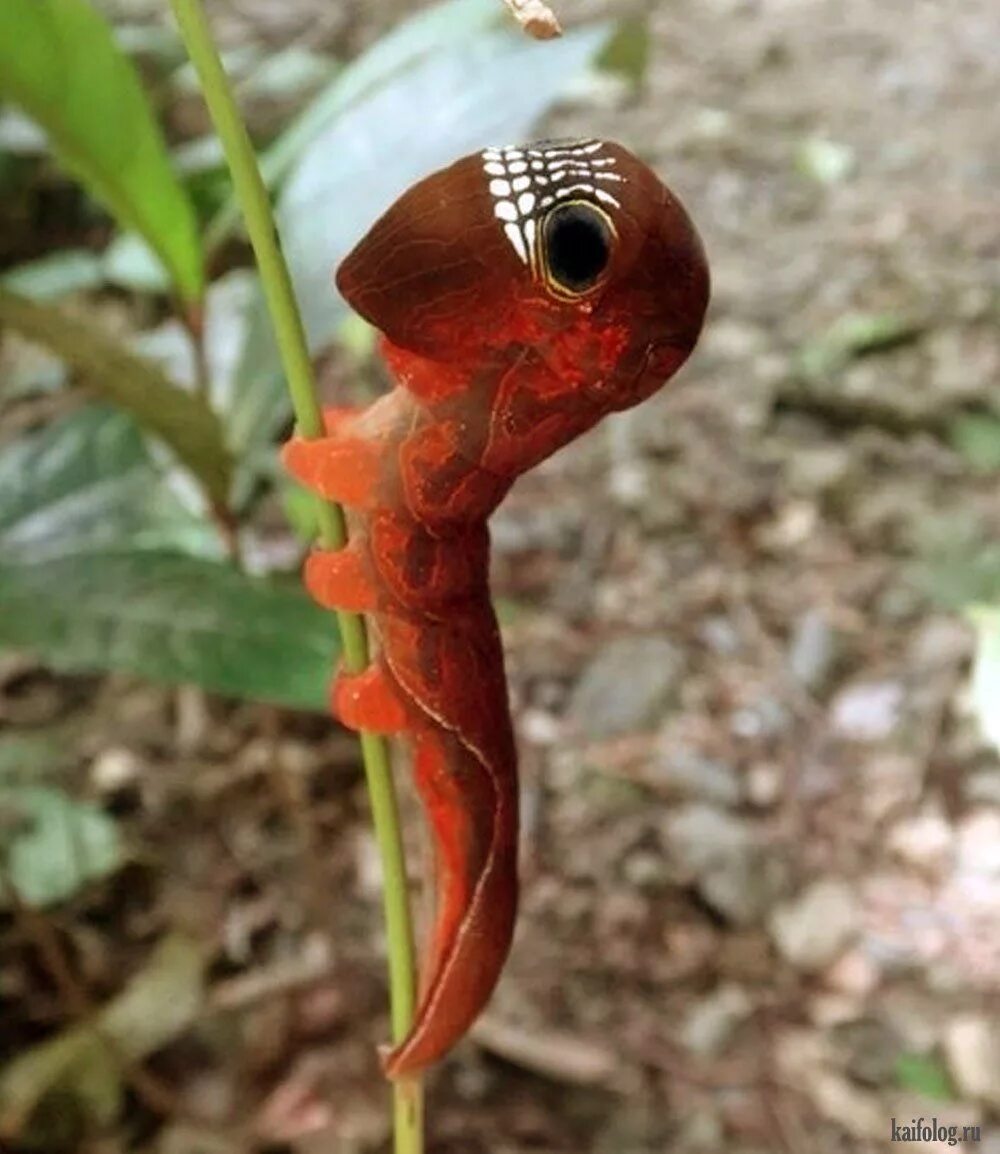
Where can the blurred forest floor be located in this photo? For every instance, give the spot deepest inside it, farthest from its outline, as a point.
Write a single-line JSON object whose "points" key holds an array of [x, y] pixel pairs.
{"points": [[761, 904]]}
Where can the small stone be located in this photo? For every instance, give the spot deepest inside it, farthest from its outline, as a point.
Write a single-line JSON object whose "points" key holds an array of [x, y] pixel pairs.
{"points": [[115, 769], [645, 870], [764, 719], [854, 973], [701, 1129], [711, 1023], [982, 788], [819, 469], [813, 651], [978, 847], [892, 782], [972, 1050], [685, 772], [871, 1049], [540, 727], [721, 636], [940, 645], [827, 1010], [733, 867], [817, 926], [763, 784], [867, 711], [626, 687], [925, 841]]}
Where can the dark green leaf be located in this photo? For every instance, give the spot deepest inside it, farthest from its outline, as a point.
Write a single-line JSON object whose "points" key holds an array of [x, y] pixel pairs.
{"points": [[174, 619], [51, 845], [924, 1074], [183, 421], [88, 483], [60, 63]]}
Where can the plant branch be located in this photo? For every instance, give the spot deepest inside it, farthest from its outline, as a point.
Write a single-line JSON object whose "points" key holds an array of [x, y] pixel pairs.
{"points": [[287, 321]]}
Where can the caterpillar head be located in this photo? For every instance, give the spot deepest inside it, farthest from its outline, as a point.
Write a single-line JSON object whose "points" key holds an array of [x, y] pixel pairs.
{"points": [[515, 246]]}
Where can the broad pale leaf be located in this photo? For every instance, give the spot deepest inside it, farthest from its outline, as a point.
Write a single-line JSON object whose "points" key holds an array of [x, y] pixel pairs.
{"points": [[88, 483], [426, 32]]}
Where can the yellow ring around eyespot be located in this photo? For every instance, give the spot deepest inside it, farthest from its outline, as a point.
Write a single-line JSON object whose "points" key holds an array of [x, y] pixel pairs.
{"points": [[553, 286]]}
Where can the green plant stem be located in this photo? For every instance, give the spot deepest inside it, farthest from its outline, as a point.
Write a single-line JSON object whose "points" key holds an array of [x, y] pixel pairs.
{"points": [[290, 334]]}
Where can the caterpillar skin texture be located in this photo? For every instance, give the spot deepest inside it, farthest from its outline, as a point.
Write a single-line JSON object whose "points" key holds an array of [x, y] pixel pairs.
{"points": [[522, 294]]}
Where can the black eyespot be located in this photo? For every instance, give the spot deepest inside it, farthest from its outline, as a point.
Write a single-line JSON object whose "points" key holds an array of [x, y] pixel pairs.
{"points": [[577, 240]]}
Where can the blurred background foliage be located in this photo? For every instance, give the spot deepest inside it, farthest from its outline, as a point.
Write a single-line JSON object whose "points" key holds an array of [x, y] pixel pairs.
{"points": [[144, 525]]}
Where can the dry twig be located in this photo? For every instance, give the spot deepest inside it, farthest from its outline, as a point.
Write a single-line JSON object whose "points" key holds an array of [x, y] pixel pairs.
{"points": [[536, 18]]}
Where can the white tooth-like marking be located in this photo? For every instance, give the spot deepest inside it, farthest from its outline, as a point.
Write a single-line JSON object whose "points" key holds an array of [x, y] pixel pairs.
{"points": [[517, 240], [516, 195], [529, 234]]}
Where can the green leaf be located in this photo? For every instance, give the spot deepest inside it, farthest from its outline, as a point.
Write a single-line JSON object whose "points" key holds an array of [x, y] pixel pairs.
{"points": [[957, 564], [83, 1066], [986, 672], [53, 846], [59, 62], [855, 335], [183, 421], [924, 1074], [173, 619], [85, 484], [490, 89], [628, 51], [976, 436]]}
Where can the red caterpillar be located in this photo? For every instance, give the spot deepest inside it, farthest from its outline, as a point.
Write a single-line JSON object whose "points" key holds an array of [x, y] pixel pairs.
{"points": [[523, 294]]}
